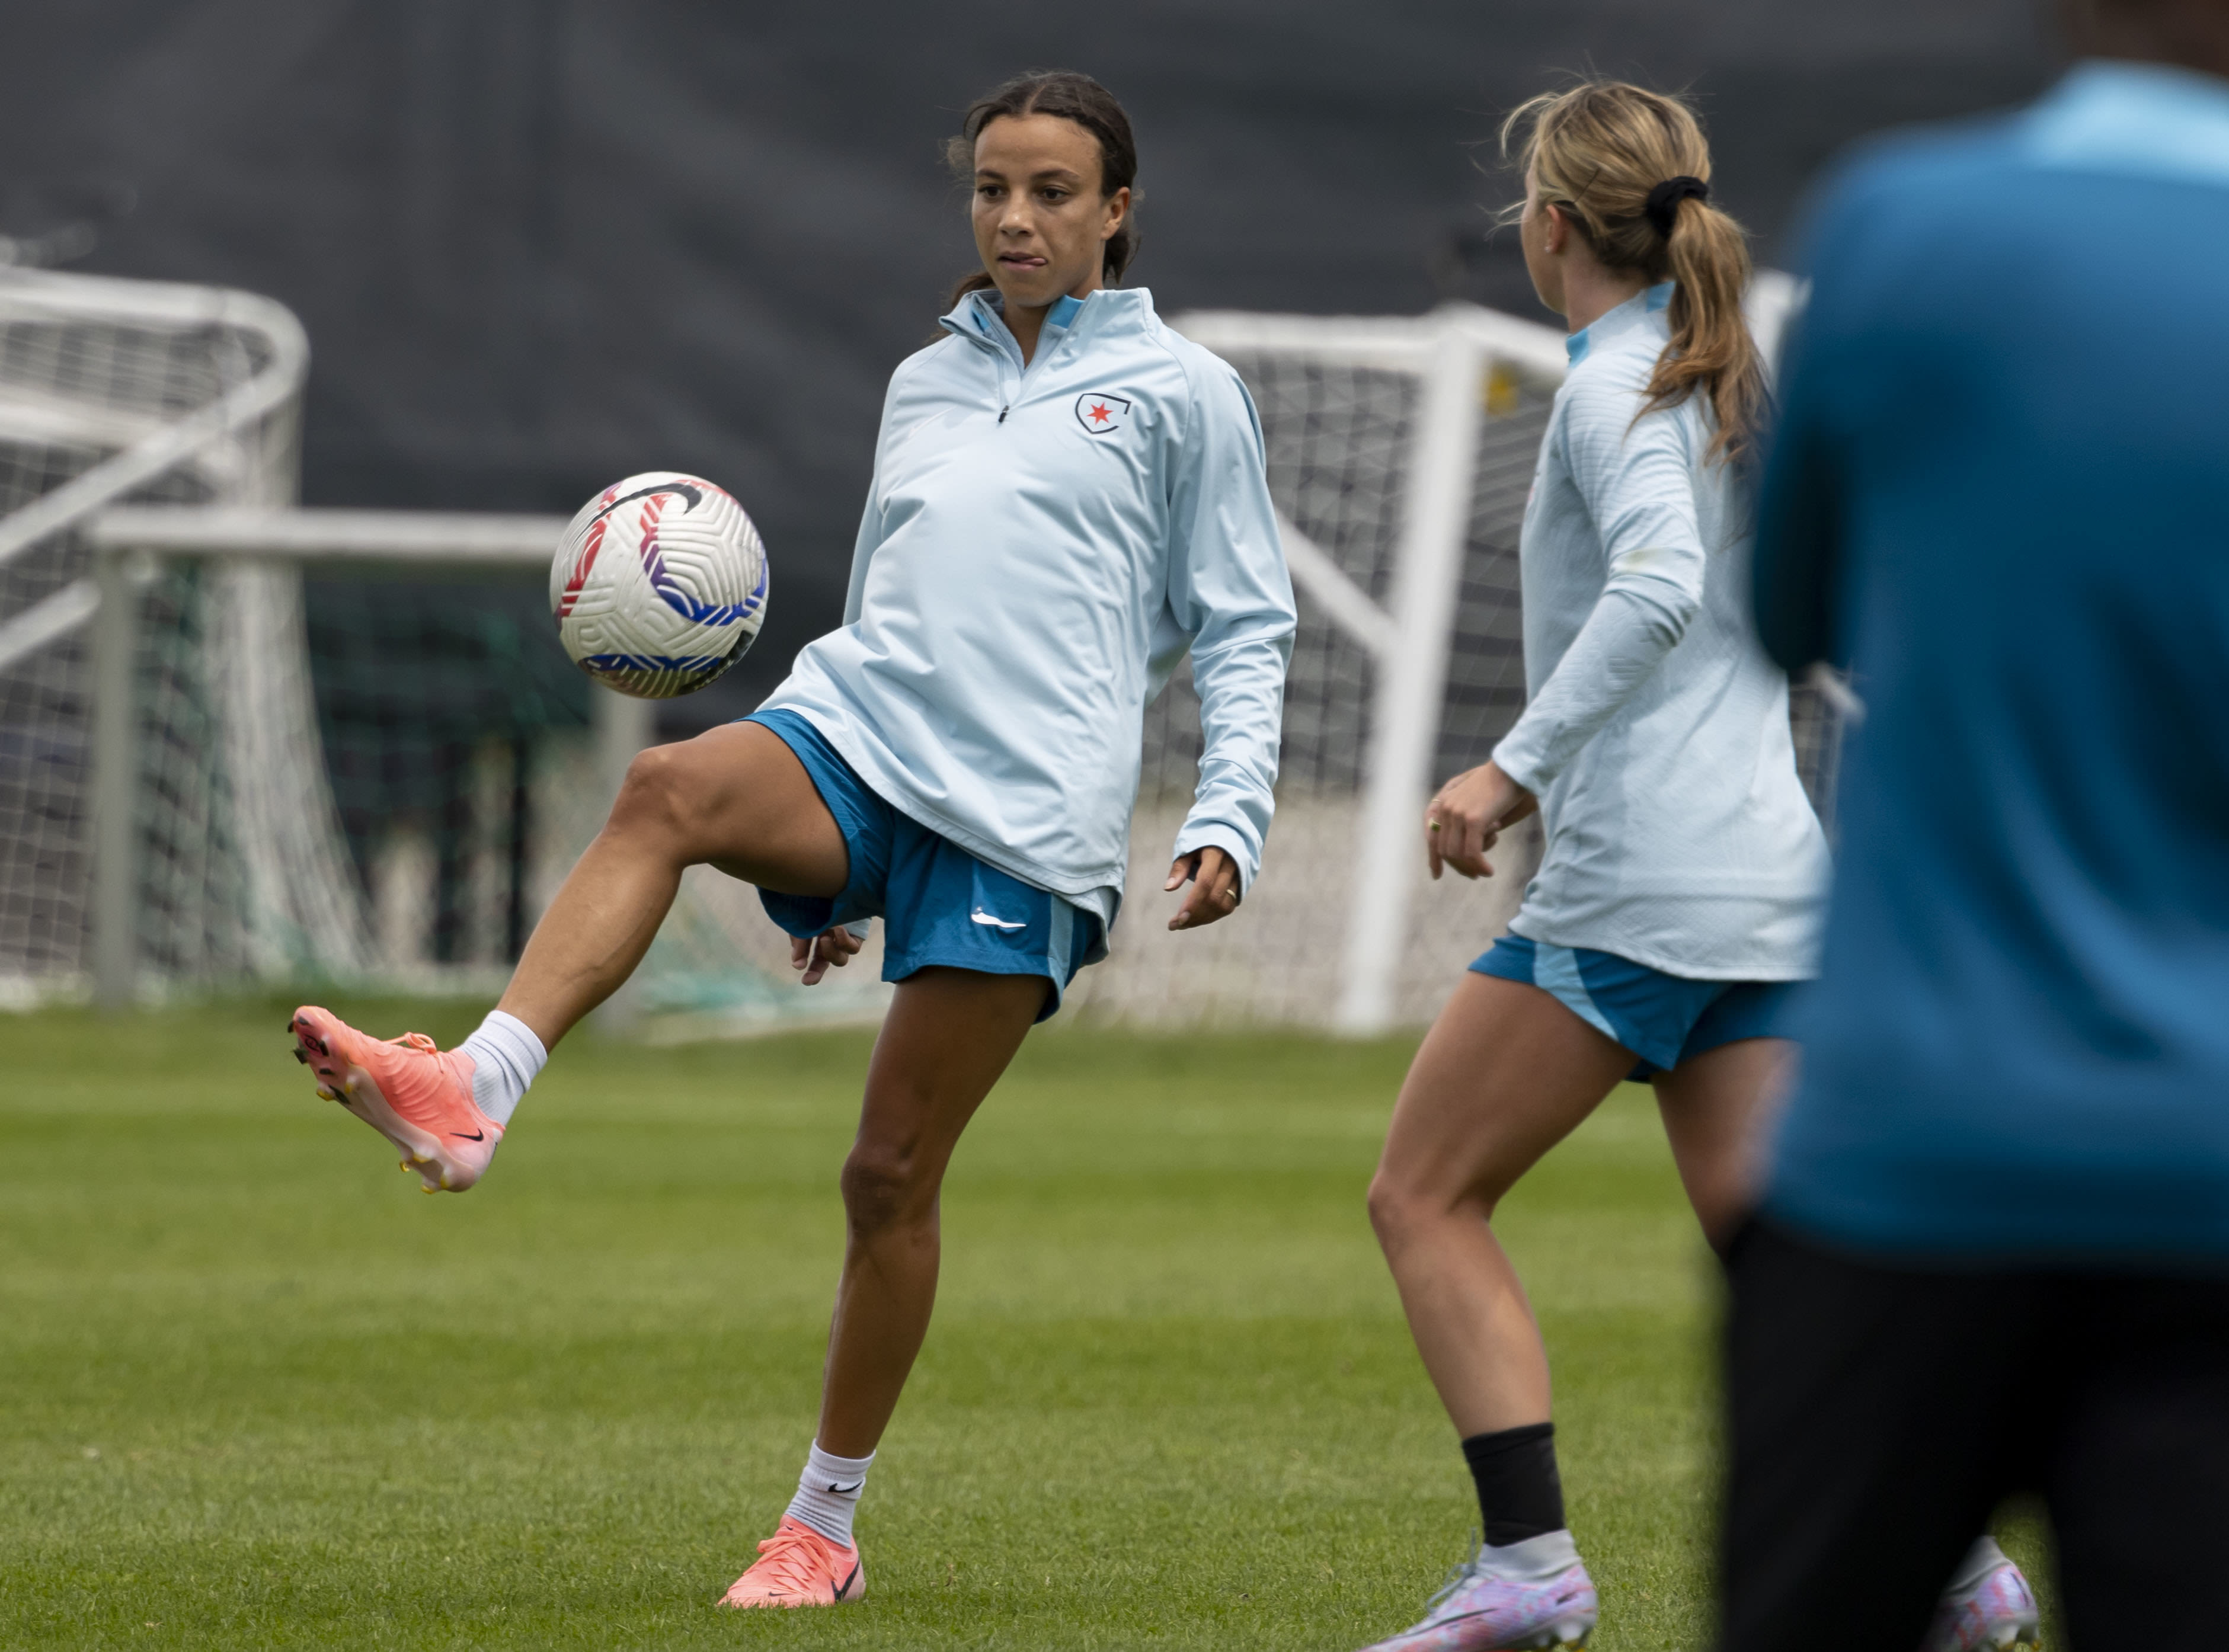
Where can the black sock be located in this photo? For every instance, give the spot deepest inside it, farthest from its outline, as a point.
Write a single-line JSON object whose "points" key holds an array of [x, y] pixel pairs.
{"points": [[1519, 1493]]}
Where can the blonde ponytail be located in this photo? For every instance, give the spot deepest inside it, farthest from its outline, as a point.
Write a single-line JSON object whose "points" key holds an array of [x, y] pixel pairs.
{"points": [[1600, 151]]}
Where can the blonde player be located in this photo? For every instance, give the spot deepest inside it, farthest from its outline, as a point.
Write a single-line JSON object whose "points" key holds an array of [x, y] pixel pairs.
{"points": [[1682, 885]]}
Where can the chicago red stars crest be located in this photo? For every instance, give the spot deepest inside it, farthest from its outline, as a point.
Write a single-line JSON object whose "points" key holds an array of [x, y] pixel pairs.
{"points": [[1101, 413]]}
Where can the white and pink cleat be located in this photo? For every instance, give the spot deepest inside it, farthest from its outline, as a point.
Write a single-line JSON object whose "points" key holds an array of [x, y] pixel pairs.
{"points": [[417, 1097], [1530, 1594]]}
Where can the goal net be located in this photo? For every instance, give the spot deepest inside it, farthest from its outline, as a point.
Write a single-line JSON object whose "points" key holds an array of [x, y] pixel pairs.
{"points": [[1401, 455], [114, 391], [206, 781]]}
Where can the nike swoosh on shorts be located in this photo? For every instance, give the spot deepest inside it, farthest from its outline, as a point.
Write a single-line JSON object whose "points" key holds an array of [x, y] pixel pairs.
{"points": [[989, 922]]}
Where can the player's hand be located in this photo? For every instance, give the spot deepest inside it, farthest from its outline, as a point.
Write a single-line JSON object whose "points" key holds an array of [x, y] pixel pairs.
{"points": [[1469, 813], [1214, 879], [814, 955]]}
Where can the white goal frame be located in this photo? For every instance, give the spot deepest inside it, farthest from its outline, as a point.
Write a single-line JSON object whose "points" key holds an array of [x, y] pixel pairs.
{"points": [[128, 540], [1454, 352], [1455, 356]]}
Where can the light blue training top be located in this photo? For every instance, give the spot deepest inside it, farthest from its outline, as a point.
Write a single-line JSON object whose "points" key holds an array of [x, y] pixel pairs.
{"points": [[2001, 491], [1657, 737], [1041, 547]]}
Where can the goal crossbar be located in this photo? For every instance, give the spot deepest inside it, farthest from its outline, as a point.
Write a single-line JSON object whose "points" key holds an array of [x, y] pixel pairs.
{"points": [[126, 540]]}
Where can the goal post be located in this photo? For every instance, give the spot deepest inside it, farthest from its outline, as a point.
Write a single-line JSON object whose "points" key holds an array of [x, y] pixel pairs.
{"points": [[181, 810], [717, 965], [110, 390], [1394, 444], [1401, 454], [129, 542], [170, 797]]}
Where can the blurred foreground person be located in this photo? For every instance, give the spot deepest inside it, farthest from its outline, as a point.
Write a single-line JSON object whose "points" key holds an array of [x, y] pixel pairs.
{"points": [[1994, 1250]]}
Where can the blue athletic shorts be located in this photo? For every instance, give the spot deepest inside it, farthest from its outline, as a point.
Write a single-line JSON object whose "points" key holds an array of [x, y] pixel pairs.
{"points": [[1663, 1018], [938, 903]]}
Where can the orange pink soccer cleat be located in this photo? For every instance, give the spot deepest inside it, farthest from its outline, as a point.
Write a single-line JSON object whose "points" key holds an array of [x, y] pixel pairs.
{"points": [[417, 1097], [797, 1567]]}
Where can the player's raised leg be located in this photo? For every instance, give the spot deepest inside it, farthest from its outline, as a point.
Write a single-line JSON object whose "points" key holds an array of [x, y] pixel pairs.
{"points": [[1505, 1072], [949, 1035], [736, 796]]}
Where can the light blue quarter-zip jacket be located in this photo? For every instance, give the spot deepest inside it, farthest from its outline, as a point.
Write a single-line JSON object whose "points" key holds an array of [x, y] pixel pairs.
{"points": [[1657, 738], [1040, 547]]}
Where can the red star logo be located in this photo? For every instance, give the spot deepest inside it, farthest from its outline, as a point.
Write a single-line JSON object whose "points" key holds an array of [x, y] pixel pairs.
{"points": [[1099, 412]]}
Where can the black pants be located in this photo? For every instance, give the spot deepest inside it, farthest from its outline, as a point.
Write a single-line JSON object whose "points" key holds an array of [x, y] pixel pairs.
{"points": [[1879, 1413]]}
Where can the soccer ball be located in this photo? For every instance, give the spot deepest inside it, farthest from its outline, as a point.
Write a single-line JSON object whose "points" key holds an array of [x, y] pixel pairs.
{"points": [[659, 584]]}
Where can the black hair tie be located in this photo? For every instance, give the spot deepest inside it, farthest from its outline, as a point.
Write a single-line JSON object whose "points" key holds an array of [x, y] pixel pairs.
{"points": [[1663, 207]]}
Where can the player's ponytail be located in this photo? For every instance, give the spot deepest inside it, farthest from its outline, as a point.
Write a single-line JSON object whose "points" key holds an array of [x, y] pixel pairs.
{"points": [[1631, 169], [1091, 105]]}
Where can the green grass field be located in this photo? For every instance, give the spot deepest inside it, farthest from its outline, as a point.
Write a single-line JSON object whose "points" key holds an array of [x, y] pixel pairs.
{"points": [[261, 1392]]}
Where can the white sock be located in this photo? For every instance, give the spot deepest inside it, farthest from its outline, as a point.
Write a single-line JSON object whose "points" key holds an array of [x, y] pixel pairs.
{"points": [[506, 1057], [1535, 1558], [828, 1493]]}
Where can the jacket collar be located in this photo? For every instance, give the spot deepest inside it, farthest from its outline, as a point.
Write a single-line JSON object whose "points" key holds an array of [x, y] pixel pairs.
{"points": [[1608, 325], [981, 315]]}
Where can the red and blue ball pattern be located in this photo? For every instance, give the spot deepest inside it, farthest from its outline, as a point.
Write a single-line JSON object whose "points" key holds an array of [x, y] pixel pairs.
{"points": [[659, 585]]}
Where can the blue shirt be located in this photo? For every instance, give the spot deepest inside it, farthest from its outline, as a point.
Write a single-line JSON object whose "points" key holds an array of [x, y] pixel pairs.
{"points": [[1042, 543], [2000, 490]]}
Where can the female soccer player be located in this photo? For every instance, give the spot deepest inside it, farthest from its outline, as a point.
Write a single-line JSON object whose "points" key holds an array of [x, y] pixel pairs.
{"points": [[1682, 879], [1067, 496]]}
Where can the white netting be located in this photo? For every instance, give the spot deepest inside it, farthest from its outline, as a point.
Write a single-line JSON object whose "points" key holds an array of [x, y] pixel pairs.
{"points": [[398, 816], [1339, 402], [401, 814], [110, 391], [1341, 439]]}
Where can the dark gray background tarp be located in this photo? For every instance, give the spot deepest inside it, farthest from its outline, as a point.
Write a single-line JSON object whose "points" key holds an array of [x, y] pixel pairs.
{"points": [[541, 244]]}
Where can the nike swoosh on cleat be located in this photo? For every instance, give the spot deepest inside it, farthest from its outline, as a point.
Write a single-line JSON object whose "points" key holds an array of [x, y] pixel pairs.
{"points": [[477, 1136], [845, 1587], [989, 922]]}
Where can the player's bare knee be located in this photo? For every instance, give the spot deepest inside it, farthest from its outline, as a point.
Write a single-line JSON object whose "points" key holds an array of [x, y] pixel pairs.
{"points": [[654, 799], [1392, 1209], [882, 1187], [1402, 1210]]}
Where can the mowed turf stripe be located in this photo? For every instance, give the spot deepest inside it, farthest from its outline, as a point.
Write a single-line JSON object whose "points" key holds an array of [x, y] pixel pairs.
{"points": [[261, 1393]]}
